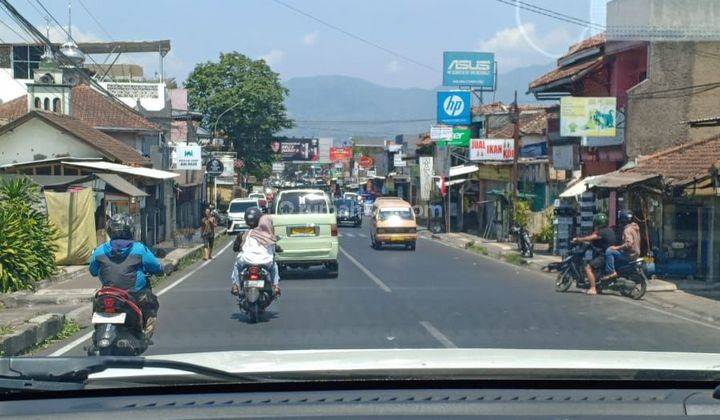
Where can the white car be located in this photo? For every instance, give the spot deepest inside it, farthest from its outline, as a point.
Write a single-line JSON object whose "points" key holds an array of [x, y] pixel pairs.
{"points": [[236, 213]]}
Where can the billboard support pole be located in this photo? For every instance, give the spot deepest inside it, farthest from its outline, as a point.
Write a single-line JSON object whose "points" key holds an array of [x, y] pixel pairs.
{"points": [[516, 151]]}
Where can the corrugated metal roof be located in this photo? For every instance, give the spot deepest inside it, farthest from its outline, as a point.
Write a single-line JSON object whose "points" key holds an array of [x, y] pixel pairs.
{"points": [[122, 185], [130, 170]]}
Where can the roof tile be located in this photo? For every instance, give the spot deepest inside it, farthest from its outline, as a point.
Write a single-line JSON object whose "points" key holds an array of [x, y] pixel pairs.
{"points": [[683, 163]]}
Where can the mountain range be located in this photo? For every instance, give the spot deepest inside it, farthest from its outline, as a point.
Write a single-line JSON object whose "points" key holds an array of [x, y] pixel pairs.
{"points": [[342, 106]]}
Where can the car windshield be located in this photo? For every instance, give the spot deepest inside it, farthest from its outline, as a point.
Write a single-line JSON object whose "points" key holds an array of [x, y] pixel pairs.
{"points": [[396, 213], [241, 206], [431, 177], [302, 203]]}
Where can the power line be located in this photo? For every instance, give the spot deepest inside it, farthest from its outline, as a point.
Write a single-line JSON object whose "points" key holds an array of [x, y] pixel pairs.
{"points": [[11, 28], [368, 122], [550, 13], [97, 22], [356, 37]]}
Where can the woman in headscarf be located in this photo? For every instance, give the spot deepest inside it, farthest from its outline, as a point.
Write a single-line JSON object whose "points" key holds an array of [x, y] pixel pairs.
{"points": [[258, 248]]}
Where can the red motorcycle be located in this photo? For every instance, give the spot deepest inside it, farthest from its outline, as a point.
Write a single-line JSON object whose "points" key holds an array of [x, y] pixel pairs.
{"points": [[119, 324]]}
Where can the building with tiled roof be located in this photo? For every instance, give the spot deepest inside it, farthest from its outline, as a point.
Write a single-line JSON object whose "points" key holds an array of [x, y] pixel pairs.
{"points": [[59, 136]]}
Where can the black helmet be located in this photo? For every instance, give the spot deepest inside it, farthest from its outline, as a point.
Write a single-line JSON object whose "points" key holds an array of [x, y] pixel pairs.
{"points": [[625, 216], [120, 226], [252, 216]]}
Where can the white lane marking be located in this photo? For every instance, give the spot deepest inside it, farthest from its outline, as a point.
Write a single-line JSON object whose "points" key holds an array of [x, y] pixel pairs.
{"points": [[83, 338], [367, 272], [362, 235], [438, 335], [350, 235]]}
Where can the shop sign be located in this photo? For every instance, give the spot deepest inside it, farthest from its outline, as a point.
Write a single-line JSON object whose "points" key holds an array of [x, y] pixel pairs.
{"points": [[588, 117], [441, 132], [188, 157], [341, 154], [398, 161], [426, 174], [469, 68], [214, 167], [365, 162], [492, 149], [563, 157]]}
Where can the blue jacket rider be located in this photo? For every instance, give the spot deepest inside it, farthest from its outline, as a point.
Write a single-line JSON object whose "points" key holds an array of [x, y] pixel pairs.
{"points": [[123, 263]]}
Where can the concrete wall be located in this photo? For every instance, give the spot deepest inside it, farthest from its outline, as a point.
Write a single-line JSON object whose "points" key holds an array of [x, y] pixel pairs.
{"points": [[655, 115], [35, 137]]}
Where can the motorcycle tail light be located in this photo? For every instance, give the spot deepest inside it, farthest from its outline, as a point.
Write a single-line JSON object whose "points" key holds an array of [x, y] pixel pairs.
{"points": [[254, 273], [109, 305], [333, 230]]}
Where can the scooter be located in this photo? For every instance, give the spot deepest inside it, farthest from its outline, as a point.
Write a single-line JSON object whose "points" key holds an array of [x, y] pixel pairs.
{"points": [[631, 281], [257, 290], [118, 323]]}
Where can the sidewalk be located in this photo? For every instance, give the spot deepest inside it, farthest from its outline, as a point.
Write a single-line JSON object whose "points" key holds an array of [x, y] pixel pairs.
{"points": [[30, 317], [692, 299]]}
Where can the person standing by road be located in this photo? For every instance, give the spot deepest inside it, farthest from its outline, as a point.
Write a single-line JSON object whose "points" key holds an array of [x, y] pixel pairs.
{"points": [[207, 231]]}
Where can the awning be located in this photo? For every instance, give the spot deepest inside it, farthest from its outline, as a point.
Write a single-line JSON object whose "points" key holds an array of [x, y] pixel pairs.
{"points": [[462, 170], [122, 185], [451, 183], [125, 169], [579, 187], [617, 179]]}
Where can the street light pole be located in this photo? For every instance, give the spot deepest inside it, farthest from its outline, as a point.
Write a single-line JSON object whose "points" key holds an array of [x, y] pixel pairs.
{"points": [[217, 120]]}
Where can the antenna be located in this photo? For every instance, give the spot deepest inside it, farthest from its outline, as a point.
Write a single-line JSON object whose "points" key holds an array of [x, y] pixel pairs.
{"points": [[69, 20]]}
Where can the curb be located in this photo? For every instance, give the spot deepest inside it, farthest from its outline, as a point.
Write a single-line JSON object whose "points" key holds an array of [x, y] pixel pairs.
{"points": [[34, 331]]}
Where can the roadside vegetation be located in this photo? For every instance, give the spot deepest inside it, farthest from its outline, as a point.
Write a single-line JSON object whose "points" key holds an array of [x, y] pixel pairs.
{"points": [[26, 237]]}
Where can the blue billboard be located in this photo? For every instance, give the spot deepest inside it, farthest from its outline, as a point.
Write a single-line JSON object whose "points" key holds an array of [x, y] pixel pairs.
{"points": [[453, 107], [466, 68]]}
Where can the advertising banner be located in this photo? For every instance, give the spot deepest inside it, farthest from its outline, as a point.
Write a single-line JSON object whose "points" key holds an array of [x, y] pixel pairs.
{"points": [[460, 137], [341, 154], [491, 149], [299, 150], [441, 132], [187, 157], [426, 174], [587, 117], [453, 107], [468, 68]]}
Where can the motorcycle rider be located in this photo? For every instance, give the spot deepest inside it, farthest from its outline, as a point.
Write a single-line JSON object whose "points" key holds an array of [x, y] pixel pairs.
{"points": [[602, 238], [123, 263], [257, 247], [628, 250]]}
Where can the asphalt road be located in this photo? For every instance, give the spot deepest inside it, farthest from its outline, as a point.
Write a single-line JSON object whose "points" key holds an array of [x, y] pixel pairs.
{"points": [[437, 296]]}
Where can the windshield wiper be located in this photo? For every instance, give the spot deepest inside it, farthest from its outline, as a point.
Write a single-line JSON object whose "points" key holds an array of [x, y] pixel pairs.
{"points": [[71, 373]]}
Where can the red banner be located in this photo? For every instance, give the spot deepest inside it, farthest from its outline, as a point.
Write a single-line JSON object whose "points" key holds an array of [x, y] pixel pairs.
{"points": [[340, 154]]}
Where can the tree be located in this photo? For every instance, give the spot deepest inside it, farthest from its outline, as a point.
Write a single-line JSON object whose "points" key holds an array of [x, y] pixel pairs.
{"points": [[252, 93]]}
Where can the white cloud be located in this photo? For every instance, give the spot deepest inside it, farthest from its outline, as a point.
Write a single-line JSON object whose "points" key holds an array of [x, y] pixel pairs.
{"points": [[310, 38], [273, 57], [56, 34], [523, 46], [392, 67]]}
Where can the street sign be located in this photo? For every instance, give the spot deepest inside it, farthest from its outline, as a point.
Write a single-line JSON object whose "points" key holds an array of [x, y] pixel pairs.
{"points": [[214, 167], [426, 173], [453, 107], [366, 162], [467, 68], [440, 132], [187, 157]]}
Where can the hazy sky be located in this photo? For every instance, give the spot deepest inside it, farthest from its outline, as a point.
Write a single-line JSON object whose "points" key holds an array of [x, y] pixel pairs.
{"points": [[295, 45]]}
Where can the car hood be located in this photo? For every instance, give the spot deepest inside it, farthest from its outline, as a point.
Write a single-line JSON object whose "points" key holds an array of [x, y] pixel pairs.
{"points": [[431, 361]]}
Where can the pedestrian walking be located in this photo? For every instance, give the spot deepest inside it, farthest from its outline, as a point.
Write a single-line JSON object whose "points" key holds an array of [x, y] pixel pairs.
{"points": [[207, 231]]}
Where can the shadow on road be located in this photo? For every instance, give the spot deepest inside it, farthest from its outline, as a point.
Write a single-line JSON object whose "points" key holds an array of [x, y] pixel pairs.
{"points": [[265, 317], [313, 274]]}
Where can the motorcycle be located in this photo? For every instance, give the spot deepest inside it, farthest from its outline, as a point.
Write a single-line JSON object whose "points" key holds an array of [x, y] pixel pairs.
{"points": [[524, 241], [631, 280], [257, 291], [118, 323]]}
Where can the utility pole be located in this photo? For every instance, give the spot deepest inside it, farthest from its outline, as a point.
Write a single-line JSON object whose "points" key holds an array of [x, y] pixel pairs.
{"points": [[515, 118]]}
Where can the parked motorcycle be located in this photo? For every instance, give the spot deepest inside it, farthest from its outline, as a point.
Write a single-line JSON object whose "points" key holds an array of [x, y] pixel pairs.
{"points": [[118, 323], [524, 241], [631, 281]]}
